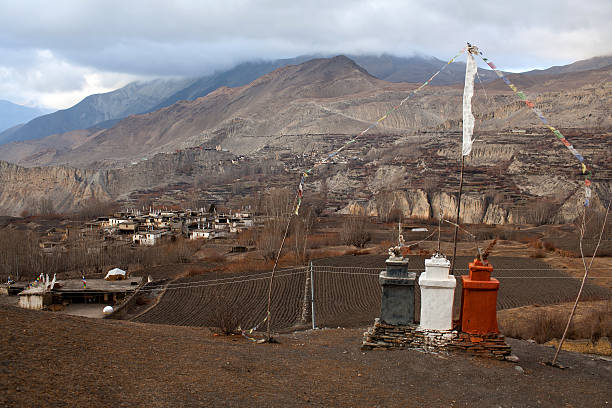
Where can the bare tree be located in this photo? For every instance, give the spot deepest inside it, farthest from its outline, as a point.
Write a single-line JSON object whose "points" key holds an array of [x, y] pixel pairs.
{"points": [[302, 226], [276, 207], [45, 206], [355, 231]]}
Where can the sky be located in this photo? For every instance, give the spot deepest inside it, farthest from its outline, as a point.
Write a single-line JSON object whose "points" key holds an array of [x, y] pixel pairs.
{"points": [[54, 53]]}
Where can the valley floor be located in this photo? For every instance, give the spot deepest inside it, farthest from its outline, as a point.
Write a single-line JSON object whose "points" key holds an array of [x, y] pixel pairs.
{"points": [[49, 360]]}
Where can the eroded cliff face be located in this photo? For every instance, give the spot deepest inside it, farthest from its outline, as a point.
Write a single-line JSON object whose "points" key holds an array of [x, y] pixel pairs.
{"points": [[23, 189], [68, 189], [475, 208], [418, 204]]}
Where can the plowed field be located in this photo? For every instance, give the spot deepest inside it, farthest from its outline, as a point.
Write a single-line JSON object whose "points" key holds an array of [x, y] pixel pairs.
{"points": [[347, 293]]}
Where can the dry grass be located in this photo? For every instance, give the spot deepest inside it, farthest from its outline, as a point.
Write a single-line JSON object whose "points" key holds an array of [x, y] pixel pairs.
{"points": [[249, 265], [543, 324], [602, 346], [322, 240]]}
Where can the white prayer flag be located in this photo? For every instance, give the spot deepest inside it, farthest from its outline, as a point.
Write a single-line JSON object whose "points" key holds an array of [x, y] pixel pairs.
{"points": [[468, 117]]}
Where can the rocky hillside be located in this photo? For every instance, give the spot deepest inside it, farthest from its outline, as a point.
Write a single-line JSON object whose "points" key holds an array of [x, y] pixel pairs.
{"points": [[416, 69], [69, 188], [297, 113], [323, 96]]}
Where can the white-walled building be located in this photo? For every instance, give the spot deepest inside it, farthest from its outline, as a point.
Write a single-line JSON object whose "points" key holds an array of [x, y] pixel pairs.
{"points": [[148, 238]]}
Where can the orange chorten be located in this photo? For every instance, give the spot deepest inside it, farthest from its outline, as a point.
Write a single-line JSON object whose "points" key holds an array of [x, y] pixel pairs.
{"points": [[479, 300]]}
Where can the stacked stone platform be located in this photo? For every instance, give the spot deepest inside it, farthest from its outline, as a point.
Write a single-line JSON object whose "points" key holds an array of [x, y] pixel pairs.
{"points": [[386, 336], [491, 345]]}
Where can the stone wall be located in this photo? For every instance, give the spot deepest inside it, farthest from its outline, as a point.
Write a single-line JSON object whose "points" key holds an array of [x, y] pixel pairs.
{"points": [[386, 336]]}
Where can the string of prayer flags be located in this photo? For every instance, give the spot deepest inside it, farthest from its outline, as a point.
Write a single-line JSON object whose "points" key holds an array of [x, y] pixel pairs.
{"points": [[585, 171], [250, 331], [366, 130], [300, 193]]}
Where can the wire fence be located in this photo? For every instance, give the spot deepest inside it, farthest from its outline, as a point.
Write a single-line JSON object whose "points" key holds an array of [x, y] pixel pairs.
{"points": [[343, 296]]}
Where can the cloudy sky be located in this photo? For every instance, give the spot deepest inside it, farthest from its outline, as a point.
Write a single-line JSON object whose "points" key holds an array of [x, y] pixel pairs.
{"points": [[54, 53]]}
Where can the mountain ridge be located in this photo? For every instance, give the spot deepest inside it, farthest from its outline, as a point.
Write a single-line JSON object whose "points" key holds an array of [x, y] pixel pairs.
{"points": [[319, 96], [13, 115]]}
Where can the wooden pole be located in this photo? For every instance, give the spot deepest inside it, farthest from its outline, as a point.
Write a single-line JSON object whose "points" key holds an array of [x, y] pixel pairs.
{"points": [[584, 278], [439, 224], [268, 315], [312, 303], [457, 218]]}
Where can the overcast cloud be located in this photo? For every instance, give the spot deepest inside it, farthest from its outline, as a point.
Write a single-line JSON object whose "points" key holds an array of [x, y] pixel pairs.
{"points": [[54, 53]]}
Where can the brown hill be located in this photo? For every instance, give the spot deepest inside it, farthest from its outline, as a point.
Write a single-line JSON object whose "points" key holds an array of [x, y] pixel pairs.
{"points": [[264, 107], [315, 106], [321, 96]]}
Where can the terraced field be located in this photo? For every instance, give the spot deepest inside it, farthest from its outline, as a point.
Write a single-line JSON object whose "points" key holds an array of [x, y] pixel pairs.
{"points": [[347, 293], [200, 300]]}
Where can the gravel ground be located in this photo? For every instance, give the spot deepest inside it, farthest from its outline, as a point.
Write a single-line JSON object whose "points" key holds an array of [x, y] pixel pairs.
{"points": [[52, 360]]}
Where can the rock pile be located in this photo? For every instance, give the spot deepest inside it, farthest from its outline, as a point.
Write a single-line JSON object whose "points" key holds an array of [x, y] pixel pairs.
{"points": [[386, 336]]}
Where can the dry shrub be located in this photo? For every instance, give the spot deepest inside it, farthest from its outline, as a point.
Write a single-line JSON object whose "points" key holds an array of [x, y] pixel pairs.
{"points": [[548, 325], [193, 271], [141, 301], [535, 243], [288, 259], [223, 318], [537, 253], [247, 238], [386, 244], [405, 251], [543, 326], [567, 254], [214, 257], [599, 323], [327, 253]]}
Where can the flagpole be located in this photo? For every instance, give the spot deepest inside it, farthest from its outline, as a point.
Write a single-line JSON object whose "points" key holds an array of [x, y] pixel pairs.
{"points": [[457, 217]]}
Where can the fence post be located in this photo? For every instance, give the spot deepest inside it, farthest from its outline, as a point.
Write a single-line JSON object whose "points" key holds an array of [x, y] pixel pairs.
{"points": [[305, 298], [314, 326]]}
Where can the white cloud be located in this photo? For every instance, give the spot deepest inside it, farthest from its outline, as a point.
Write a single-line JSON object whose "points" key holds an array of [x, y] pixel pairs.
{"points": [[122, 40], [41, 79]]}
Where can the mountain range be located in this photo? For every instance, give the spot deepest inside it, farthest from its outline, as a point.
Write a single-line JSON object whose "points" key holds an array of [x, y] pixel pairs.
{"points": [[12, 114], [300, 109], [105, 110]]}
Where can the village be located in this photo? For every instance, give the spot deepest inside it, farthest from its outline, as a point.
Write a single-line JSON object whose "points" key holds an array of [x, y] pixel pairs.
{"points": [[139, 227], [122, 231]]}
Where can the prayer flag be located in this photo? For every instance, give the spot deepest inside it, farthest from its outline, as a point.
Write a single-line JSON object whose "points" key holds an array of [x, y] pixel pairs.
{"points": [[468, 117]]}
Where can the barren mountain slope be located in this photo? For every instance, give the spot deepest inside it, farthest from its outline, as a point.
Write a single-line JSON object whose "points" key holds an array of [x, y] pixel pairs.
{"points": [[314, 107], [334, 96], [255, 109], [136, 97]]}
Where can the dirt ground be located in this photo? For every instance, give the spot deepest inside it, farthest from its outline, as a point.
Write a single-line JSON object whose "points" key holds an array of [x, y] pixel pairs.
{"points": [[52, 360]]}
